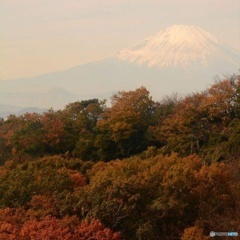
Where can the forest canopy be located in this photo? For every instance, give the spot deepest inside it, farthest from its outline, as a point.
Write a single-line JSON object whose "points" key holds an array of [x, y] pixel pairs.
{"points": [[137, 169]]}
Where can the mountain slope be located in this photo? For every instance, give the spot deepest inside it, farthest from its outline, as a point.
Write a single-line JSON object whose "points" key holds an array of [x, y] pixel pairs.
{"points": [[179, 45], [178, 59], [6, 110]]}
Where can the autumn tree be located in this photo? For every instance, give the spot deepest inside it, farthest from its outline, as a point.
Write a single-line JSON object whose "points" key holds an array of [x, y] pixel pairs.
{"points": [[49, 176], [53, 132], [155, 191], [126, 121], [193, 233], [14, 225], [166, 194], [29, 138], [5, 151], [199, 121], [94, 229]]}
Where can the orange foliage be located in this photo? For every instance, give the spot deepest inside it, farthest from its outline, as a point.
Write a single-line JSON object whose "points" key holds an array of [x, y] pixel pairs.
{"points": [[46, 229], [41, 206], [193, 233], [78, 179], [130, 111], [94, 230], [13, 226], [53, 127], [11, 221]]}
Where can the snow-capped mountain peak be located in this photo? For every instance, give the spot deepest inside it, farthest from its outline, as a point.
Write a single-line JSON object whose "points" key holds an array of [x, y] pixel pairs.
{"points": [[177, 45], [180, 59]]}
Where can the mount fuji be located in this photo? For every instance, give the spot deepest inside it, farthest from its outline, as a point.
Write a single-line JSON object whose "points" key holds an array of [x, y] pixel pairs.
{"points": [[179, 59], [179, 46]]}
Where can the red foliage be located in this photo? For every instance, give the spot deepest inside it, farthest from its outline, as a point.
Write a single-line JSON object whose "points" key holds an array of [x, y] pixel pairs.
{"points": [[14, 225], [94, 230], [48, 228]]}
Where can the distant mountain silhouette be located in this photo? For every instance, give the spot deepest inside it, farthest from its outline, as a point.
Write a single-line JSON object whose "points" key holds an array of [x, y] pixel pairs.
{"points": [[179, 59], [6, 110]]}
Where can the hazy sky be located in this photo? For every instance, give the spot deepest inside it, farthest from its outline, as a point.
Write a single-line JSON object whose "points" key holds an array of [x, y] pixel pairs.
{"points": [[39, 36]]}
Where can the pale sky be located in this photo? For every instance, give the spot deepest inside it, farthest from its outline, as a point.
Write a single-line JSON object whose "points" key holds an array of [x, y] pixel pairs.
{"points": [[40, 36]]}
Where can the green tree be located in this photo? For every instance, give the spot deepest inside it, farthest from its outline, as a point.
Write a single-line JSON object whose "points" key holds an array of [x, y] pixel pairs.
{"points": [[80, 120]]}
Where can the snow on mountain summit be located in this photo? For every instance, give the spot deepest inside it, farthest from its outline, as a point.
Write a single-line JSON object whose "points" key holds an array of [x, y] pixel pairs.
{"points": [[180, 59], [178, 45]]}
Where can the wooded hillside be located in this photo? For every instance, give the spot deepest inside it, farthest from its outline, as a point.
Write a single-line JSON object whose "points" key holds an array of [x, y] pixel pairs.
{"points": [[138, 169]]}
